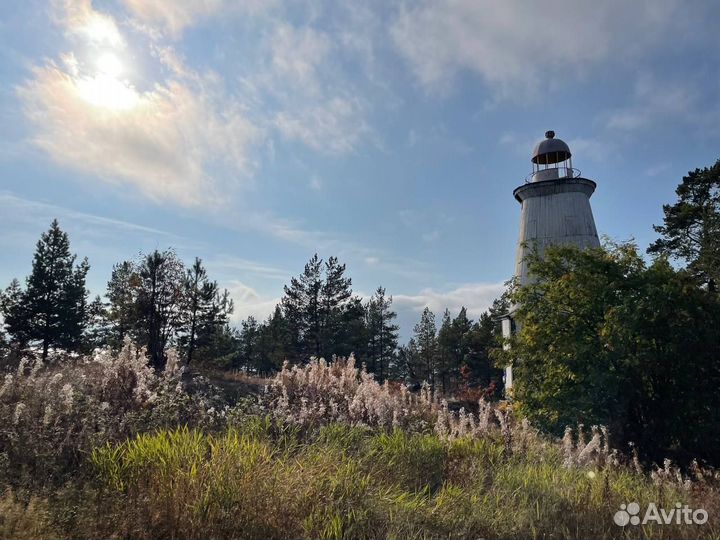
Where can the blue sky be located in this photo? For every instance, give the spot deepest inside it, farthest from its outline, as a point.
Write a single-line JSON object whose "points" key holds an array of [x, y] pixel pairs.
{"points": [[390, 134]]}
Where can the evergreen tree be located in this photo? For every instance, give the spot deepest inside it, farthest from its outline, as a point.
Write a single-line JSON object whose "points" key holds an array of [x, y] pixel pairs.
{"points": [[160, 303], [335, 314], [461, 327], [222, 350], [249, 345], [97, 329], [122, 295], [204, 311], [426, 339], [14, 316], [382, 333], [481, 340], [52, 310], [691, 226], [76, 312], [352, 331], [406, 365], [322, 318], [273, 343], [447, 345], [301, 310]]}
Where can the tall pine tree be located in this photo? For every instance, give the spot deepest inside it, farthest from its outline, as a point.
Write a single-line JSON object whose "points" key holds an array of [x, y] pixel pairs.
{"points": [[273, 343], [205, 309], [14, 317], [426, 339], [52, 308], [382, 333], [447, 340], [160, 303], [301, 310], [122, 294], [334, 310]]}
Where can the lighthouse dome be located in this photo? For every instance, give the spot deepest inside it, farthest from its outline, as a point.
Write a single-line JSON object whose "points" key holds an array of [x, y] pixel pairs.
{"points": [[550, 150]]}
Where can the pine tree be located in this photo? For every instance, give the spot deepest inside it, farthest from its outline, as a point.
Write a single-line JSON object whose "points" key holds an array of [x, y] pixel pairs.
{"points": [[204, 311], [160, 303], [54, 303], [222, 350], [426, 339], [14, 315], [322, 317], [461, 327], [75, 309], [691, 227], [481, 340], [301, 309], [250, 345], [273, 343], [382, 333], [122, 294], [97, 329], [335, 315], [406, 365], [351, 331], [446, 351]]}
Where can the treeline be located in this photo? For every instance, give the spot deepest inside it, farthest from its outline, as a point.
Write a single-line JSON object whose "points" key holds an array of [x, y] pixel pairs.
{"points": [[158, 302]]}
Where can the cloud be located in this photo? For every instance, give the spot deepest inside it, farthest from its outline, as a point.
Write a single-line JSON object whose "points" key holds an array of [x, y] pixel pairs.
{"points": [[248, 302], [314, 103], [297, 53], [33, 209], [173, 16], [518, 47], [476, 297], [169, 142], [224, 265], [80, 19], [657, 101], [335, 126]]}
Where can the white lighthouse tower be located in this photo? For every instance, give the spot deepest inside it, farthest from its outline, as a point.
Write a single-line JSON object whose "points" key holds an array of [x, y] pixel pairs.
{"points": [[554, 209]]}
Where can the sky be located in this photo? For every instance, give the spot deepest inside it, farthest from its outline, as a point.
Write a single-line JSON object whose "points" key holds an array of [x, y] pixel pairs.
{"points": [[390, 134]]}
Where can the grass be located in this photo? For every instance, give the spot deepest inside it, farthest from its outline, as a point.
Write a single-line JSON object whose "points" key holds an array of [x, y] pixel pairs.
{"points": [[107, 461], [254, 481]]}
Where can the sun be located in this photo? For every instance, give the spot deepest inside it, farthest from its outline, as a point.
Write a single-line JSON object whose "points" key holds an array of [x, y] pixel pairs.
{"points": [[105, 89], [110, 65]]}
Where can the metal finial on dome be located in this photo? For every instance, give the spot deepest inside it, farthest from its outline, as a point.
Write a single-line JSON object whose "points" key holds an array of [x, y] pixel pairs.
{"points": [[550, 134]]}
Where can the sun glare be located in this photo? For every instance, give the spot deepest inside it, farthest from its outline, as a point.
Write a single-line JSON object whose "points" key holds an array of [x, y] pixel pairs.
{"points": [[105, 89], [108, 64]]}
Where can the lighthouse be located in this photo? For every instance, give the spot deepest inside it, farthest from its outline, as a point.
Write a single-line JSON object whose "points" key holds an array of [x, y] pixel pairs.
{"points": [[554, 210]]}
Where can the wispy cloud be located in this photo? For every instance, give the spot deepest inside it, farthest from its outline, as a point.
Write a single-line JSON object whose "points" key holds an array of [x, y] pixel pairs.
{"points": [[7, 200], [519, 47], [80, 19], [226, 265], [315, 103], [173, 16], [656, 101], [476, 297]]}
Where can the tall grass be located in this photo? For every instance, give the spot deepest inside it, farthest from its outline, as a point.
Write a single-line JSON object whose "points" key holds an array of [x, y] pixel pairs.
{"points": [[105, 447], [347, 482]]}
